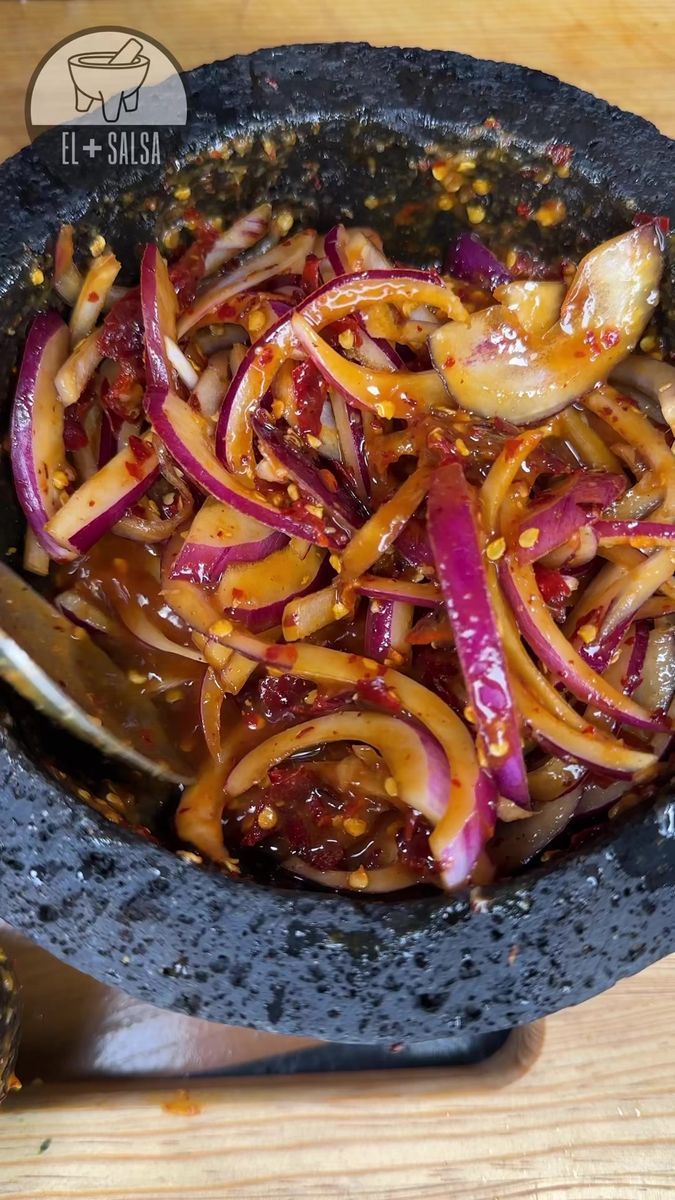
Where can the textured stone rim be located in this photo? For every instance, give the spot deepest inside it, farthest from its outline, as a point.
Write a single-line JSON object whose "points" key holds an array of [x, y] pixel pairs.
{"points": [[134, 915]]}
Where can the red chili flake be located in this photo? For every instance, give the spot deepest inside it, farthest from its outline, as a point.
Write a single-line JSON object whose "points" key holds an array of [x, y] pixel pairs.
{"points": [[272, 83], [329, 479], [226, 310], [121, 337], [492, 123], [141, 450], [592, 340], [265, 356], [407, 213], [413, 844], [134, 469], [311, 393], [560, 154], [74, 434], [646, 218], [322, 815], [279, 696], [449, 362], [524, 209], [186, 273], [554, 588], [93, 297], [311, 277], [375, 691], [282, 656], [610, 337]]}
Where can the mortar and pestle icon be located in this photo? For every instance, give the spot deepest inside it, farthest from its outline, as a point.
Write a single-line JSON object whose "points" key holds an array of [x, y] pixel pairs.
{"points": [[94, 73]]}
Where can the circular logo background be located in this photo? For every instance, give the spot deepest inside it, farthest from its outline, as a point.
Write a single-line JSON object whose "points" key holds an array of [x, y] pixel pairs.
{"points": [[111, 77]]}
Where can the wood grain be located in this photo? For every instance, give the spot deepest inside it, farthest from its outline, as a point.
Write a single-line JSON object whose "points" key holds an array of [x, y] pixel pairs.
{"points": [[579, 1108], [624, 52]]}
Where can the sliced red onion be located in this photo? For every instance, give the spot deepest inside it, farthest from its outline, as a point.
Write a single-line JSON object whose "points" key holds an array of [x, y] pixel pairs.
{"points": [[333, 249], [67, 278], [518, 842], [333, 300], [219, 536], [85, 613], [321, 483], [186, 438], [159, 307], [107, 442], [636, 662], [433, 627], [461, 574], [78, 369], [469, 259], [381, 880], [387, 393], [418, 766], [305, 615], [468, 819], [212, 383], [37, 449], [492, 366], [586, 745], [598, 796], [256, 593], [558, 655], [643, 534], [382, 529], [657, 684], [289, 255], [211, 699], [638, 586], [377, 353], [414, 547], [148, 526], [35, 559], [349, 426], [388, 624], [579, 550], [181, 364], [457, 854], [536, 302], [126, 430], [245, 232], [559, 516], [421, 595], [134, 618], [100, 501], [651, 376], [93, 295]]}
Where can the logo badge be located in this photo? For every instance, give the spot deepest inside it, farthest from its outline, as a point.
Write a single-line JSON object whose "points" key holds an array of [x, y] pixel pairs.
{"points": [[111, 91]]}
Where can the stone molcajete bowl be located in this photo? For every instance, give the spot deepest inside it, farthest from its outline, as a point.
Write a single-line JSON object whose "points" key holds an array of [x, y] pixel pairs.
{"points": [[341, 132]]}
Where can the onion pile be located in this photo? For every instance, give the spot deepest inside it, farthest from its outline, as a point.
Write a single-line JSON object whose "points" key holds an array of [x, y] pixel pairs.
{"points": [[388, 546]]}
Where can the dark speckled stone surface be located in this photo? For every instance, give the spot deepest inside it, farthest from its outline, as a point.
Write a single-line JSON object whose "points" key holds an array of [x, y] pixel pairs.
{"points": [[126, 909]]}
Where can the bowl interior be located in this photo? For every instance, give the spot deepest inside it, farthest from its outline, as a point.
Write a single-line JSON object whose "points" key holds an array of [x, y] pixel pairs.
{"points": [[413, 184]]}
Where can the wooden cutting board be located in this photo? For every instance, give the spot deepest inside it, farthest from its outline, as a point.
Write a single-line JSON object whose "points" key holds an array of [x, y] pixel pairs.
{"points": [[579, 1107]]}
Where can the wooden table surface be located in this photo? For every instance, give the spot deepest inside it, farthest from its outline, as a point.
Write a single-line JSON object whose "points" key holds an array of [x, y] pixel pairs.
{"points": [[580, 1107]]}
